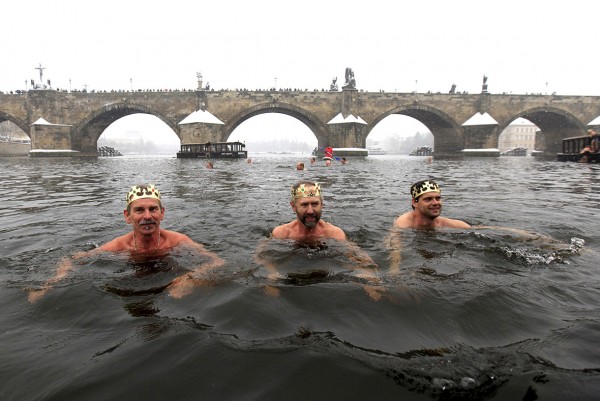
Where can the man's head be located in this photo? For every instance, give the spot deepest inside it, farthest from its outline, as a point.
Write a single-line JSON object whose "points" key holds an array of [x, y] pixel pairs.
{"points": [[307, 202], [300, 166], [427, 197], [144, 208]]}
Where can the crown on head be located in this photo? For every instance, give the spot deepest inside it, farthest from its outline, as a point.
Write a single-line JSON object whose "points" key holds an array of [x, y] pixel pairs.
{"points": [[305, 190], [142, 191], [422, 187]]}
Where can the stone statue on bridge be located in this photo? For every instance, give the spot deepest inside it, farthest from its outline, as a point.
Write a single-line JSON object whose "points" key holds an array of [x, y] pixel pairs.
{"points": [[350, 81], [333, 86], [484, 87], [453, 89]]}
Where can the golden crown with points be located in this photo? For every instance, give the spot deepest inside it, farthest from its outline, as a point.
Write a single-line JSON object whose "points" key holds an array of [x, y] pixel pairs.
{"points": [[142, 191], [305, 190], [422, 187]]}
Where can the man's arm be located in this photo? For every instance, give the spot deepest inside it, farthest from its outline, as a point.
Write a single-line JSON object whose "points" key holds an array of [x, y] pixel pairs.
{"points": [[64, 267], [260, 259], [393, 243], [452, 223], [184, 284], [366, 269]]}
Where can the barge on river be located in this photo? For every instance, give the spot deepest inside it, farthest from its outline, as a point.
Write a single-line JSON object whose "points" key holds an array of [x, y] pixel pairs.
{"points": [[573, 150], [213, 150]]}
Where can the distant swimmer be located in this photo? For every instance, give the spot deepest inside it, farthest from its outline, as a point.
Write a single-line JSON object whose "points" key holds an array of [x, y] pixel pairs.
{"points": [[144, 212], [299, 166], [308, 227], [427, 207]]}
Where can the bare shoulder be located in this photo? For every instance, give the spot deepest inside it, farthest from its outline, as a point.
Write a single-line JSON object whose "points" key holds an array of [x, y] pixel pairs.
{"points": [[334, 232], [174, 238], [283, 231], [404, 220], [118, 244]]}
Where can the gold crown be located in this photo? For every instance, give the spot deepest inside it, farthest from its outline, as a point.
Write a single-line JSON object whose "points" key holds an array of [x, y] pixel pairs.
{"points": [[422, 187], [305, 190], [142, 191]]}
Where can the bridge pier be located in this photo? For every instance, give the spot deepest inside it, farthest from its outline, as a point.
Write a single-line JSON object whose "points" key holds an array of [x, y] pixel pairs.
{"points": [[50, 140], [481, 136], [347, 135]]}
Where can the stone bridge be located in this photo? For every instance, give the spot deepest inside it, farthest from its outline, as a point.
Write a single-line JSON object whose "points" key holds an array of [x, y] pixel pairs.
{"points": [[73, 121]]}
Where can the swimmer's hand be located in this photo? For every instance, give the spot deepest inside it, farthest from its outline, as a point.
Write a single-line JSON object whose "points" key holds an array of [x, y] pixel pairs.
{"points": [[271, 291], [374, 292], [63, 269], [36, 294], [181, 286]]}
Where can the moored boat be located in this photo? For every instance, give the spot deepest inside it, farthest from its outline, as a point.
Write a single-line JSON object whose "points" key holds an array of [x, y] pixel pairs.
{"points": [[216, 150], [376, 150], [574, 150]]}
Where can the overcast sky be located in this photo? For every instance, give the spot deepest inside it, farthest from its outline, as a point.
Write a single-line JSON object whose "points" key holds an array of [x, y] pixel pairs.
{"points": [[522, 46]]}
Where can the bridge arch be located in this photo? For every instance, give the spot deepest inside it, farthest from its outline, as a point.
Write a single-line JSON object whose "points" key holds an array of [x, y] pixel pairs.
{"points": [[85, 134], [555, 124], [448, 136], [19, 123], [318, 128]]}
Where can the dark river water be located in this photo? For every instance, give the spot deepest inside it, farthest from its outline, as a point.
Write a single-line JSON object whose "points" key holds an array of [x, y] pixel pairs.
{"points": [[482, 313]]}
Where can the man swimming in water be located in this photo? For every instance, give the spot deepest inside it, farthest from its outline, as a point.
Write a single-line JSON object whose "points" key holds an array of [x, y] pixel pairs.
{"points": [[427, 207], [307, 203], [144, 211], [308, 228]]}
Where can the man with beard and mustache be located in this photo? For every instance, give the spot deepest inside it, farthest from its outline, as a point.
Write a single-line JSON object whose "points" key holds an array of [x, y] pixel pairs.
{"points": [[427, 207], [145, 212], [307, 202], [308, 230]]}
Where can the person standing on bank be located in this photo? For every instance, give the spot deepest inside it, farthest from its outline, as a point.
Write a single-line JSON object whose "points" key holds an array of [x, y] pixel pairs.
{"points": [[144, 212]]}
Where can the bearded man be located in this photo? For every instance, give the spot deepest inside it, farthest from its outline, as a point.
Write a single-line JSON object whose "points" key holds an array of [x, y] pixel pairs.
{"points": [[307, 202]]}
